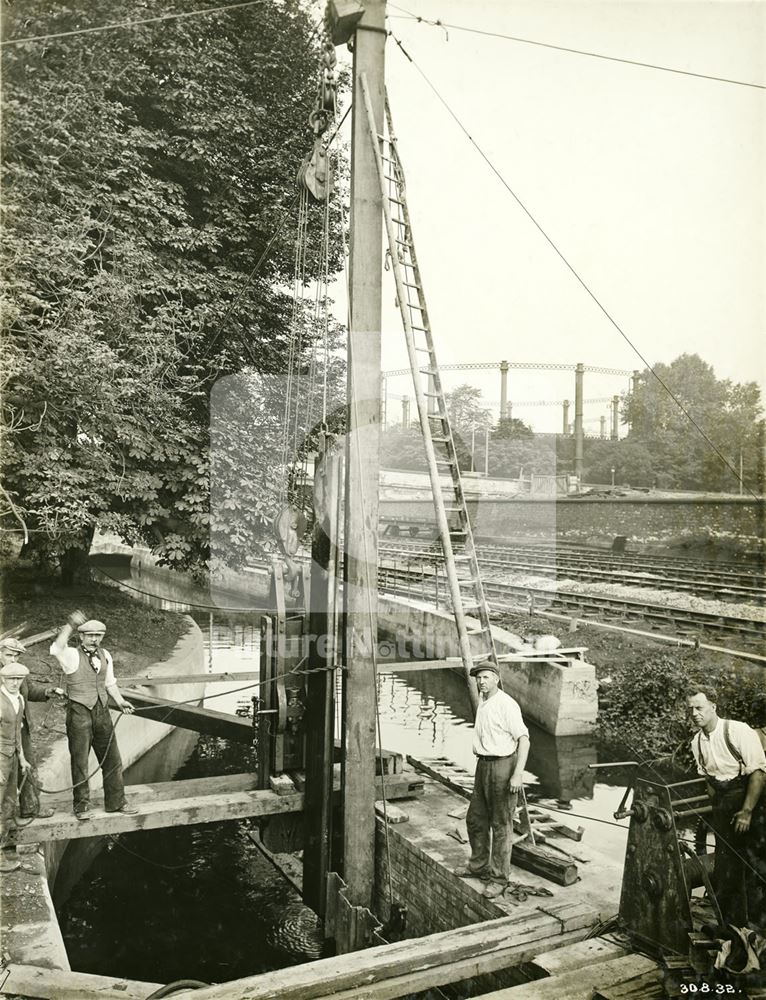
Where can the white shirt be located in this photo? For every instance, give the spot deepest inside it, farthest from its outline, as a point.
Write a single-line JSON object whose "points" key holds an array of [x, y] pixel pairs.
{"points": [[15, 699], [713, 757], [69, 659], [498, 726]]}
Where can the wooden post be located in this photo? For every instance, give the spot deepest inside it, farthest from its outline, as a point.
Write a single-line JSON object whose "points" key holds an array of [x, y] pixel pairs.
{"points": [[320, 689], [363, 463]]}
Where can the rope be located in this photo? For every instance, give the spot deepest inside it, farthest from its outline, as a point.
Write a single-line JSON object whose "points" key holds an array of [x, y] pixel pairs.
{"points": [[132, 24]]}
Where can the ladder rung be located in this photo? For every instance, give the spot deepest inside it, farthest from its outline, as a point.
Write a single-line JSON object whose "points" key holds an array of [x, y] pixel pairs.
{"points": [[428, 371], [409, 284], [476, 631]]}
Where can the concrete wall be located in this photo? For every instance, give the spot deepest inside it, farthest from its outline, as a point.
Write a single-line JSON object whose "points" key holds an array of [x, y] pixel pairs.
{"points": [[30, 930], [560, 697]]}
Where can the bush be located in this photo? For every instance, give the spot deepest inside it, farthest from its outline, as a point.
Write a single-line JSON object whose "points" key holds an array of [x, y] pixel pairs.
{"points": [[646, 708]]}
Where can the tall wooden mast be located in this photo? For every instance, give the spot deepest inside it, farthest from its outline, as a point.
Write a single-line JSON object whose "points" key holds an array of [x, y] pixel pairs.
{"points": [[362, 454]]}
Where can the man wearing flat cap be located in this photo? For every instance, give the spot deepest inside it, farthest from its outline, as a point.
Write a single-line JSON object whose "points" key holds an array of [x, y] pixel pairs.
{"points": [[11, 751], [31, 690], [89, 674], [501, 746]]}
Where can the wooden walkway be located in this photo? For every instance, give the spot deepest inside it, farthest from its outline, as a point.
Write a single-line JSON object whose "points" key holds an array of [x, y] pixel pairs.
{"points": [[184, 803]]}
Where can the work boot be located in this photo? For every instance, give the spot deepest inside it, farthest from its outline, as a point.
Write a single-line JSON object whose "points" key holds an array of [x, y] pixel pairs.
{"points": [[40, 814], [463, 872], [126, 809], [83, 814], [9, 865], [494, 889]]}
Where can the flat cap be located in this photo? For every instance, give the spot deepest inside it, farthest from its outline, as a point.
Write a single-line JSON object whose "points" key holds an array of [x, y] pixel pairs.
{"points": [[13, 670], [489, 665], [13, 645], [92, 626]]}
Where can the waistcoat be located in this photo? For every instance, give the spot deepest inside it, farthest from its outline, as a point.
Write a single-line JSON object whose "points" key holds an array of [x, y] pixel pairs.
{"points": [[85, 685], [10, 727]]}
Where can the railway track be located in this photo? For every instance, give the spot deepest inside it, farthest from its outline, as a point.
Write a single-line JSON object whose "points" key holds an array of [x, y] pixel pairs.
{"points": [[731, 584], [426, 581]]}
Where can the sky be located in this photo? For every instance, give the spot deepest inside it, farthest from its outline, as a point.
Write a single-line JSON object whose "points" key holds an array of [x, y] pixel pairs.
{"points": [[652, 185]]}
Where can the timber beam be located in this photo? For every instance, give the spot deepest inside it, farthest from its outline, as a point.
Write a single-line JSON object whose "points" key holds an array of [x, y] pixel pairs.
{"points": [[200, 720], [186, 803], [410, 966], [60, 984]]}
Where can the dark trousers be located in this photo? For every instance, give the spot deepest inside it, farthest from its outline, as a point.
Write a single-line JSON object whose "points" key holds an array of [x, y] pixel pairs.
{"points": [[739, 876], [29, 797], [9, 770], [92, 727], [490, 818]]}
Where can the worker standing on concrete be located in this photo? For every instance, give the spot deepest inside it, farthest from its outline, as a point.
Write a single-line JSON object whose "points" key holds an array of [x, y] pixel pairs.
{"points": [[501, 745], [11, 751], [90, 681], [31, 690], [732, 760]]}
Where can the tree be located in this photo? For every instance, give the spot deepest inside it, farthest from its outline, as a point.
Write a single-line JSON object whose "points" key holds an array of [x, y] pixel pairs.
{"points": [[697, 447], [512, 429], [148, 171]]}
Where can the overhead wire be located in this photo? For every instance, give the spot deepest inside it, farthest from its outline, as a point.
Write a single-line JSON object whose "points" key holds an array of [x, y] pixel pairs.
{"points": [[133, 23], [438, 23], [581, 281]]}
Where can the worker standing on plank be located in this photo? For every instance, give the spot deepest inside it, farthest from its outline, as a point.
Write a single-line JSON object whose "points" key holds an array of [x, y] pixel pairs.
{"points": [[90, 681], [501, 746]]}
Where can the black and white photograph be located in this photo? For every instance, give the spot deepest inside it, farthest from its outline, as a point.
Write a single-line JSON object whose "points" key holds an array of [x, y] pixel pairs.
{"points": [[383, 499]]}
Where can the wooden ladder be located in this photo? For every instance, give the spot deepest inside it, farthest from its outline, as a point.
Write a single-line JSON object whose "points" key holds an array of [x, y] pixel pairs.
{"points": [[453, 523]]}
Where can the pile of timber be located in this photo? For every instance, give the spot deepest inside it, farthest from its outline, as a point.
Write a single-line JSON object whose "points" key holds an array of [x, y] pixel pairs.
{"points": [[542, 858]]}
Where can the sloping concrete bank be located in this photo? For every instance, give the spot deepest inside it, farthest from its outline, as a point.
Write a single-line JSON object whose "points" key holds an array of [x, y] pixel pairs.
{"points": [[30, 933], [561, 697]]}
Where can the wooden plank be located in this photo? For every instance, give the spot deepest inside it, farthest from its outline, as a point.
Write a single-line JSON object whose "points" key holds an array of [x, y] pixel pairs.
{"points": [[578, 984], [162, 791], [200, 720], [449, 972], [60, 984], [410, 666], [207, 805], [218, 677], [419, 961], [578, 955]]}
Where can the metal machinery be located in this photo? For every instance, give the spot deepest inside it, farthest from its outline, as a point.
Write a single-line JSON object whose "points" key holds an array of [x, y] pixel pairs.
{"points": [[279, 711], [661, 869]]}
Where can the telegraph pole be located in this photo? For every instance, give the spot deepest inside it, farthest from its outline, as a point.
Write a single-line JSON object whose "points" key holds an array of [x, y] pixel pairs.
{"points": [[362, 455]]}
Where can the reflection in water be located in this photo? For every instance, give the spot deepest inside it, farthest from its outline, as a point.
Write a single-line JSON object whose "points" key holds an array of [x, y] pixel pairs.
{"points": [[200, 902]]}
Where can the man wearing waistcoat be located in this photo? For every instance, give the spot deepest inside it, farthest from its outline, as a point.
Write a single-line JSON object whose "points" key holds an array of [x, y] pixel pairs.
{"points": [[89, 675], [11, 751], [730, 757], [31, 690]]}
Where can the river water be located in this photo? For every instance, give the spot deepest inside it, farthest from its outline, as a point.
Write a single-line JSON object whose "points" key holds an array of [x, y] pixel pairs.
{"points": [[200, 902]]}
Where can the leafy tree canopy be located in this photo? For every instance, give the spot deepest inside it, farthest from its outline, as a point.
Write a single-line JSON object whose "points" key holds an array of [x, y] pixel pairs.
{"points": [[147, 171], [729, 423]]}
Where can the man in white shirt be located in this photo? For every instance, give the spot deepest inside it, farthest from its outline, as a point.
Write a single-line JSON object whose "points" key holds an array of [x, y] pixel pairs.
{"points": [[11, 750], [501, 746], [89, 674], [732, 760]]}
